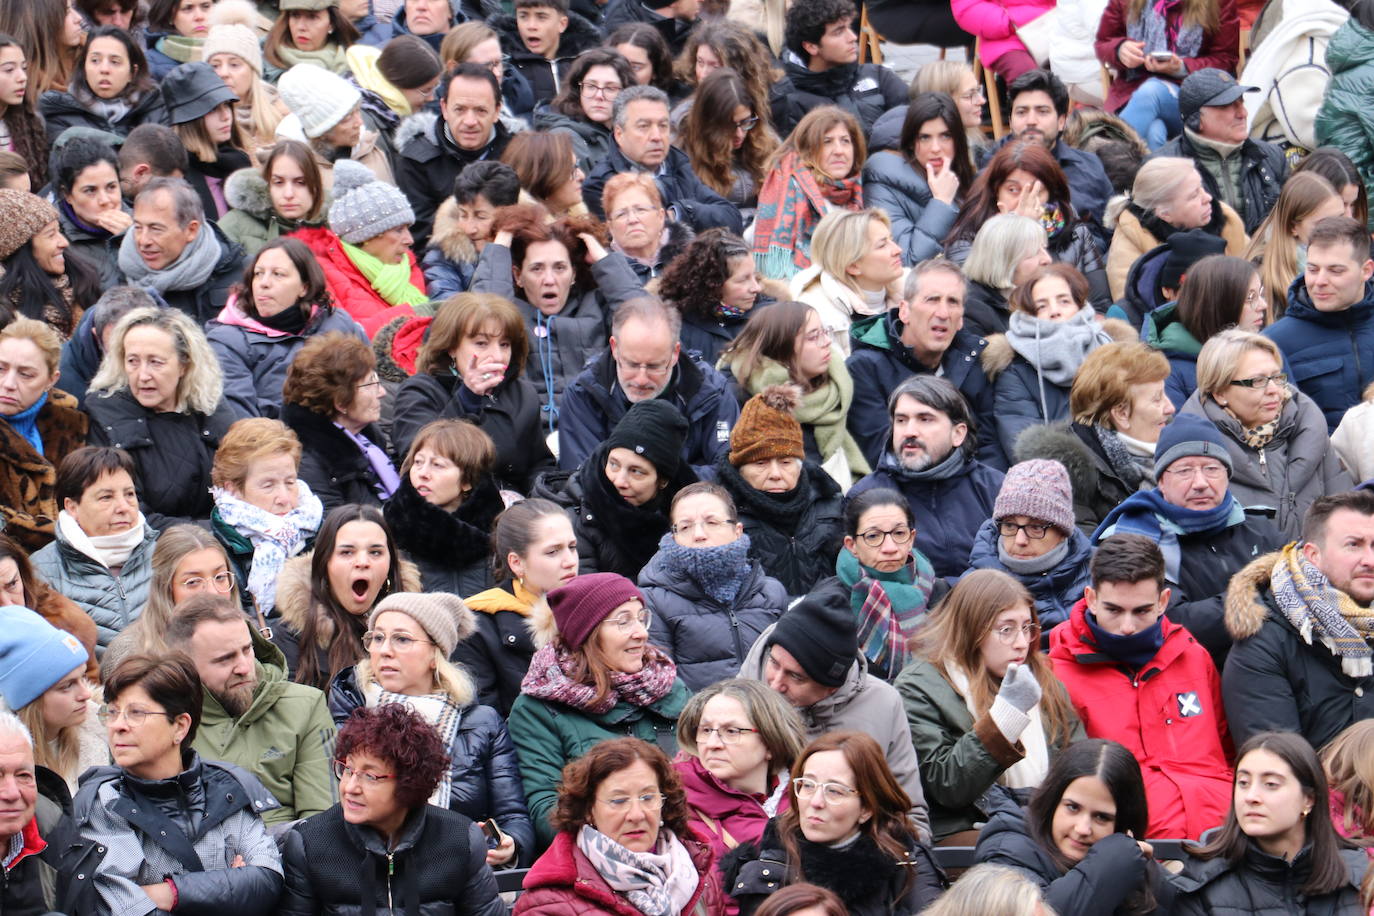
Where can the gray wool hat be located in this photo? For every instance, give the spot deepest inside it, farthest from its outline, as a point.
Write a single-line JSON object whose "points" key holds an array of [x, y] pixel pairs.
{"points": [[364, 207], [192, 91]]}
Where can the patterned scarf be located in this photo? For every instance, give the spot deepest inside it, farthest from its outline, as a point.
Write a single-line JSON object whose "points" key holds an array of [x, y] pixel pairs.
{"points": [[439, 710], [1131, 470], [823, 408], [791, 202], [550, 678], [656, 883], [718, 571], [275, 538], [1307, 599], [1159, 28], [1260, 436], [889, 607]]}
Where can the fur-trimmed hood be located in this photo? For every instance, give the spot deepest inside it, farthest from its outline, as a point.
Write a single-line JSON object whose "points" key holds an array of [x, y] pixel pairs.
{"points": [[246, 190], [1058, 442], [420, 124], [293, 595], [540, 623], [998, 354], [1245, 610], [451, 241]]}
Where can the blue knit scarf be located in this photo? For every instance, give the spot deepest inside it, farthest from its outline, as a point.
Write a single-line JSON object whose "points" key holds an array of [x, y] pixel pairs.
{"points": [[1134, 651], [25, 423], [718, 571], [1149, 513]]}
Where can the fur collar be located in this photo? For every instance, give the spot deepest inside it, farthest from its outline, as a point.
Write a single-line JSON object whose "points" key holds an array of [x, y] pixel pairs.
{"points": [[452, 242], [246, 190], [417, 126], [998, 354], [540, 623], [447, 539], [1245, 609], [293, 595]]}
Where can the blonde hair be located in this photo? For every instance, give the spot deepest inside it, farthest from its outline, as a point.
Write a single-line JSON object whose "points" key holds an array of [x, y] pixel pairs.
{"points": [[841, 238], [198, 390], [1349, 764], [449, 679], [247, 441], [41, 334], [1220, 357], [200, 145], [263, 113], [1274, 246], [999, 246], [991, 890], [1156, 184], [172, 547], [59, 751]]}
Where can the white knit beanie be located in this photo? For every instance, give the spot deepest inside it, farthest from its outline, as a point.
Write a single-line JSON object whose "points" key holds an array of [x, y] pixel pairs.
{"points": [[239, 40], [319, 98]]}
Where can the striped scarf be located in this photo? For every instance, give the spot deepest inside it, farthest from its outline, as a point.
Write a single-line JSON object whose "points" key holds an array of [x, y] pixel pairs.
{"points": [[791, 202], [1310, 603], [889, 608], [439, 710]]}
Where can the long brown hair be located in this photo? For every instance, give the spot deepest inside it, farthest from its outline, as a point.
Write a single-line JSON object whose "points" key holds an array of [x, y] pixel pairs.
{"points": [[770, 333], [27, 133], [955, 634], [709, 133], [808, 138]]}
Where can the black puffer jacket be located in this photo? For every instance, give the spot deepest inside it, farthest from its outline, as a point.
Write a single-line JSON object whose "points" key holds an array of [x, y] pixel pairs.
{"points": [[452, 549], [58, 878], [61, 110], [868, 881], [1264, 885], [334, 468], [795, 536], [498, 651], [706, 638], [509, 414], [1263, 170], [484, 775], [436, 868], [863, 90], [172, 453], [1104, 882]]}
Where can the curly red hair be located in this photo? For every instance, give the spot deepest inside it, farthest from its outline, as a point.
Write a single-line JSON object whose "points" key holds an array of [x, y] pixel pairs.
{"points": [[582, 777], [400, 737]]}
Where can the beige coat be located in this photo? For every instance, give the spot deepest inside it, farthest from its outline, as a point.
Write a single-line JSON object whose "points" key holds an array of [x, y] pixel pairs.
{"points": [[1132, 240]]}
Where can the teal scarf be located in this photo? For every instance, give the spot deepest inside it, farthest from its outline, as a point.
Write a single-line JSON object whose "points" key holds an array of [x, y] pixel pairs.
{"points": [[889, 608], [25, 423]]}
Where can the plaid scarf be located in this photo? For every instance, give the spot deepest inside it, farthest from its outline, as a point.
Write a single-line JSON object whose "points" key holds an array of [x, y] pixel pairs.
{"points": [[548, 678], [791, 202], [1309, 602], [889, 608]]}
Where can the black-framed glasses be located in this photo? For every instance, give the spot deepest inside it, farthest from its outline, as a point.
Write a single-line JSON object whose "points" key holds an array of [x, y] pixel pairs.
{"points": [[747, 124], [874, 537], [1261, 381], [592, 90], [1034, 530]]}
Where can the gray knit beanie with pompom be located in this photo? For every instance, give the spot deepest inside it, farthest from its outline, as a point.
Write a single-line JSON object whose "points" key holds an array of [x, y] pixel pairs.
{"points": [[364, 207]]}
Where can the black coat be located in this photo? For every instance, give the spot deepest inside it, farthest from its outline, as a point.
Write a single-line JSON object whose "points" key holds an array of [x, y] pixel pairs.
{"points": [[61, 110], [452, 549], [172, 453], [60, 877], [796, 536], [1264, 885], [1105, 881], [1263, 170], [334, 468], [496, 655], [696, 204], [622, 12], [509, 414], [986, 311], [863, 90], [436, 868]]}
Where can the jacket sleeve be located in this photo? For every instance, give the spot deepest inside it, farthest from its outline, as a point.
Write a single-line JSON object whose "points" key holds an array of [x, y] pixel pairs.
{"points": [[1111, 32], [298, 896], [493, 274], [240, 393], [416, 404], [479, 897], [1255, 687], [702, 208], [616, 281], [442, 276], [1017, 408], [312, 784], [1205, 619], [1113, 869], [984, 19], [508, 792], [901, 758], [919, 238], [116, 876], [867, 422], [580, 426], [252, 889], [539, 746]]}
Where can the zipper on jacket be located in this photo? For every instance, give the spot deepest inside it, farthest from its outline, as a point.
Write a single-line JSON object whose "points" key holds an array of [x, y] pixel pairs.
{"points": [[390, 870], [734, 632]]}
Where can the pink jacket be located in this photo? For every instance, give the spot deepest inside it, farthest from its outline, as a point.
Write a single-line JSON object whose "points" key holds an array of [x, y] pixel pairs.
{"points": [[995, 21]]}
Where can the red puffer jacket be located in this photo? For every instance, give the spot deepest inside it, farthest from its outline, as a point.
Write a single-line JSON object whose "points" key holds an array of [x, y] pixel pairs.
{"points": [[350, 289], [563, 882], [1169, 715]]}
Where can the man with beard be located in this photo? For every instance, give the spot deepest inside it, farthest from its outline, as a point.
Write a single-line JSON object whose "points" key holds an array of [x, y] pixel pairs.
{"points": [[931, 462], [252, 715]]}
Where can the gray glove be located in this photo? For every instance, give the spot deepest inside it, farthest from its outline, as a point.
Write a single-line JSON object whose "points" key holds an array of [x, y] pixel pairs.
{"points": [[1020, 688]]}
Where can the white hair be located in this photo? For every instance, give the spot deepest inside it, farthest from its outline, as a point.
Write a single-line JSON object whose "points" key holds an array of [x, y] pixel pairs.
{"points": [[11, 726]]}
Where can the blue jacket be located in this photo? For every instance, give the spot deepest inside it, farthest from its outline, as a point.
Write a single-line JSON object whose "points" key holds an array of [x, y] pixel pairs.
{"points": [[919, 221], [1330, 354], [878, 362], [484, 775], [948, 512], [81, 356], [696, 204], [1089, 187], [593, 404], [1056, 591]]}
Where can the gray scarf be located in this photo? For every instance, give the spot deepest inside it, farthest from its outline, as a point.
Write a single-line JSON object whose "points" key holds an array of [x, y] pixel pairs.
{"points": [[1132, 470], [952, 466], [1056, 348], [1152, 28], [189, 271], [1036, 565]]}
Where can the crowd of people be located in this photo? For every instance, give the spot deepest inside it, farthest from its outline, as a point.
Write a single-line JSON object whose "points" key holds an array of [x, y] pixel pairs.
{"points": [[645, 450]]}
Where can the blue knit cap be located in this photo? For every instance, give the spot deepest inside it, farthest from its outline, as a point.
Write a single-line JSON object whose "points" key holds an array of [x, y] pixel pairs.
{"points": [[364, 207], [1187, 436], [34, 655]]}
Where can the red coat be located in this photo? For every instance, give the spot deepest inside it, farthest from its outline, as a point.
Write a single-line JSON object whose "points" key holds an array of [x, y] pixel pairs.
{"points": [[563, 882], [1169, 716], [1220, 49], [350, 289]]}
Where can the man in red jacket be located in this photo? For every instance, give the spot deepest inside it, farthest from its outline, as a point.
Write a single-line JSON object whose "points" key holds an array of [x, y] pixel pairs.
{"points": [[1136, 677]]}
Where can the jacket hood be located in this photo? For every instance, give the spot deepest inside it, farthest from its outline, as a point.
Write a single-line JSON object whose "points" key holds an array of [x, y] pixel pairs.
{"points": [[579, 36], [448, 238], [1245, 610], [293, 595], [246, 190], [1352, 46], [1164, 330], [1059, 442], [417, 126], [508, 597], [855, 681]]}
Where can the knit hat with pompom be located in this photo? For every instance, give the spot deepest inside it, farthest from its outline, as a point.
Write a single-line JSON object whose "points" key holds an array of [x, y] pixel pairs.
{"points": [[364, 207], [767, 427]]}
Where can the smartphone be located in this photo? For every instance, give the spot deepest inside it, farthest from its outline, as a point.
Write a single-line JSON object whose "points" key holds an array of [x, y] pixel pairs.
{"points": [[492, 831], [1161, 55]]}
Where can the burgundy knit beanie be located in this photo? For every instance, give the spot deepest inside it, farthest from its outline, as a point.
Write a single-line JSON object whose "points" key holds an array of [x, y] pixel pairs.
{"points": [[580, 606]]}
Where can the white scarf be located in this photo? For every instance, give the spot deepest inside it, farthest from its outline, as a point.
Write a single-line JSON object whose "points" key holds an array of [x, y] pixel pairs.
{"points": [[439, 710], [109, 550], [1030, 770], [656, 883], [275, 538]]}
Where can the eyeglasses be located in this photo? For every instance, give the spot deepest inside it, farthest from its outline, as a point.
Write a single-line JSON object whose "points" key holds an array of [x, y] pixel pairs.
{"points": [[1278, 380], [134, 715], [399, 641], [1007, 634], [1033, 530], [874, 537], [710, 525], [729, 734], [834, 793], [342, 770], [972, 95], [649, 801], [368, 384], [820, 335], [626, 622], [221, 582], [747, 124], [639, 213], [1254, 295], [607, 92], [650, 368], [1209, 471]]}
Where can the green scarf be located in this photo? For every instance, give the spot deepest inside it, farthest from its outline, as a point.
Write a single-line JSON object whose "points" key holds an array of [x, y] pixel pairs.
{"points": [[391, 281], [889, 608], [824, 409], [181, 49], [330, 57]]}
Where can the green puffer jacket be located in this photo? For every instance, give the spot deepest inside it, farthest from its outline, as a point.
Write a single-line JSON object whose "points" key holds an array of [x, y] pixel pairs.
{"points": [[113, 601], [251, 221], [960, 758], [285, 738], [1346, 120]]}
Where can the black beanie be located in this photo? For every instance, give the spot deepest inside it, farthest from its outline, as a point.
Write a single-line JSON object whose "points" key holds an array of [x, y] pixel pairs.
{"points": [[1185, 250], [820, 633], [655, 430]]}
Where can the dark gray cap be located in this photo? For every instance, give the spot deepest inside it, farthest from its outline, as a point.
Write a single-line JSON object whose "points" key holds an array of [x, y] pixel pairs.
{"points": [[192, 91], [1206, 88]]}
